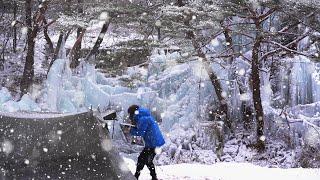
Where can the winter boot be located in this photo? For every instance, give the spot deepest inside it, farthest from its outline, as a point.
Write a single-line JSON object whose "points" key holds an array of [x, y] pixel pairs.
{"points": [[137, 174], [154, 176]]}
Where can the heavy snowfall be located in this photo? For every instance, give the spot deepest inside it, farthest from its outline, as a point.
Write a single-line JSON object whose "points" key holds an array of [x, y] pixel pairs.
{"points": [[233, 84]]}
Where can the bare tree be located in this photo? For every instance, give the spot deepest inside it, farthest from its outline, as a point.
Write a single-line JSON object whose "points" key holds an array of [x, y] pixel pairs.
{"points": [[97, 44], [80, 32], [251, 23], [33, 25], [14, 40]]}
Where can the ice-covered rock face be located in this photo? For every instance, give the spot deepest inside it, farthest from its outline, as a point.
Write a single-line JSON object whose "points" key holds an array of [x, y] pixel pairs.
{"points": [[184, 88], [71, 93], [25, 104], [4, 95], [58, 81], [312, 137], [297, 81]]}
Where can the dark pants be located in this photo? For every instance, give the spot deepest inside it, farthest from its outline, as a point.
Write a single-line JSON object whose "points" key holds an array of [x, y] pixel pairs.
{"points": [[146, 158]]}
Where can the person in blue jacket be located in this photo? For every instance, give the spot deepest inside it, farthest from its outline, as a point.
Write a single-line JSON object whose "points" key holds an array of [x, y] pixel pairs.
{"points": [[148, 129]]}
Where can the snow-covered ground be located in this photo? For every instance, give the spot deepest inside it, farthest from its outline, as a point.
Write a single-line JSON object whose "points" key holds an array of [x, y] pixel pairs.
{"points": [[226, 171]]}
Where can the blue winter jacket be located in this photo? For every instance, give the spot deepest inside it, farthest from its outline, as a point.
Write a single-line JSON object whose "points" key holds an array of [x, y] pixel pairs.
{"points": [[147, 128]]}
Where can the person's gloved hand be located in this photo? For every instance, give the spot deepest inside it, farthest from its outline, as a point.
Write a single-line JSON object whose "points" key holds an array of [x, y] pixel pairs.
{"points": [[133, 122], [126, 130]]}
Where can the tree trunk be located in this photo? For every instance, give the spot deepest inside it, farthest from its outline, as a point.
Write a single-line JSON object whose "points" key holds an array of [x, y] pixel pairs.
{"points": [[226, 33], [76, 55], [2, 55], [223, 106], [14, 41], [28, 72], [223, 109], [99, 40], [56, 51], [246, 111], [232, 70], [47, 38], [33, 28], [256, 93], [159, 33]]}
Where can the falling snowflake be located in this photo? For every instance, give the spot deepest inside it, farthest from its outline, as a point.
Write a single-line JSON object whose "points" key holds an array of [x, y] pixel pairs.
{"points": [[214, 42], [158, 23], [123, 167], [245, 97], [241, 72], [262, 138], [13, 23], [224, 94], [104, 16], [7, 147], [158, 150], [24, 30], [106, 145]]}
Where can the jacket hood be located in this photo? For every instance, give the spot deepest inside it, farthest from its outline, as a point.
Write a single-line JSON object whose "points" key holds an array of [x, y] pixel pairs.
{"points": [[144, 112]]}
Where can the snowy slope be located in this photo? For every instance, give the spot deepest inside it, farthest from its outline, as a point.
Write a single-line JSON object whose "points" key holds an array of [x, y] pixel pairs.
{"points": [[226, 171]]}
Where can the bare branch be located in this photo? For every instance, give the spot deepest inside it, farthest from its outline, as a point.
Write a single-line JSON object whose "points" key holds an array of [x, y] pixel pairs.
{"points": [[79, 39], [284, 29], [267, 14], [244, 34], [287, 45], [241, 23], [226, 55], [288, 49]]}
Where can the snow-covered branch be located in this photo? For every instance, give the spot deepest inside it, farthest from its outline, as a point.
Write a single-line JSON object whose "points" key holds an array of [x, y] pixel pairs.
{"points": [[288, 49], [287, 45]]}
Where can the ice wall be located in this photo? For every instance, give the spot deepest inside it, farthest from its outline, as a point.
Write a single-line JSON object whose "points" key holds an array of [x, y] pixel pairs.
{"points": [[4, 95], [301, 81], [57, 83], [298, 86], [187, 91], [7, 103], [298, 81]]}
